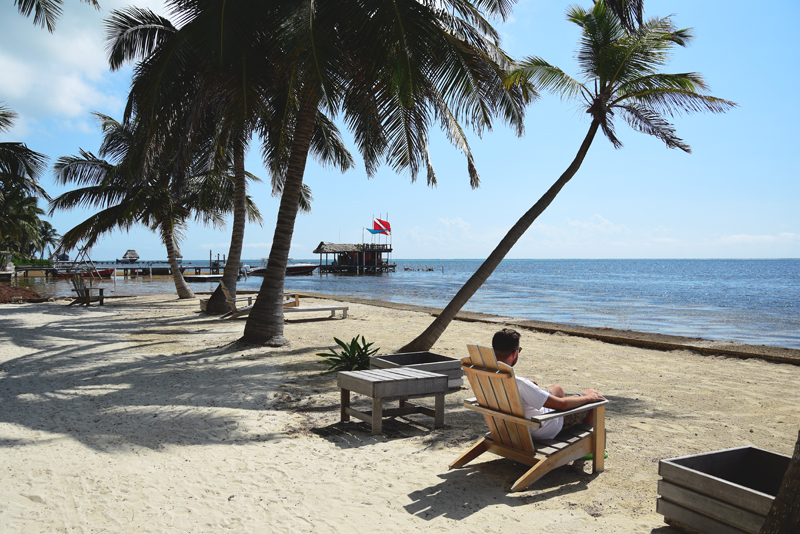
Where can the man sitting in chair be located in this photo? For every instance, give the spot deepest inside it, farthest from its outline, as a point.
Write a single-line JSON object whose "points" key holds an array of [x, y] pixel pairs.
{"points": [[537, 400]]}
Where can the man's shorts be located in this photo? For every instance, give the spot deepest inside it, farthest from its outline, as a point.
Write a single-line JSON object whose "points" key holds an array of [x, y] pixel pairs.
{"points": [[574, 418]]}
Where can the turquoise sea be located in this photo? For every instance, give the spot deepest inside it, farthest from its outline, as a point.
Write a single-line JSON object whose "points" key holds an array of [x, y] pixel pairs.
{"points": [[748, 301]]}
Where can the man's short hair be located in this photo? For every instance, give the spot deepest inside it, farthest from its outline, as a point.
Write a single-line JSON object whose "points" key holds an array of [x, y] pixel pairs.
{"points": [[505, 342]]}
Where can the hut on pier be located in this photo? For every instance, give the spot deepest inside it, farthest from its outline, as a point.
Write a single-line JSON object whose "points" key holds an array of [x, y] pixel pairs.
{"points": [[360, 258], [130, 256]]}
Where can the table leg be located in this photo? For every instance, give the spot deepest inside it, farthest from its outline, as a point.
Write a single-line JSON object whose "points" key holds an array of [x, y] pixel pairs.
{"points": [[438, 420], [345, 394], [377, 416], [403, 400]]}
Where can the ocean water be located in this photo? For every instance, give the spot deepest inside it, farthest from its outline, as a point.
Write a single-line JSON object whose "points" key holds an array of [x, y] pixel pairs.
{"points": [[748, 301]]}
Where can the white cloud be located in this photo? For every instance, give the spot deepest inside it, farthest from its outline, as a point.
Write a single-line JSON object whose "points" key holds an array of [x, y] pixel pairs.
{"points": [[63, 75], [784, 238]]}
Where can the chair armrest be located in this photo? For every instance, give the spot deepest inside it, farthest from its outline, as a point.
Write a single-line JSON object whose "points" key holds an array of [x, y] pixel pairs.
{"points": [[472, 404], [579, 409]]}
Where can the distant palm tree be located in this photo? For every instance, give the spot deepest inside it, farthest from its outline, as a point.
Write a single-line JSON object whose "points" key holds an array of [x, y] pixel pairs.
{"points": [[391, 68], [157, 199], [19, 221], [620, 69], [20, 167], [47, 237], [45, 12]]}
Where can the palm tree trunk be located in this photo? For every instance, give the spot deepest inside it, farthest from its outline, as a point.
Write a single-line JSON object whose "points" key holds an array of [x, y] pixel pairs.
{"points": [[217, 304], [184, 291], [265, 322], [431, 334], [784, 515]]}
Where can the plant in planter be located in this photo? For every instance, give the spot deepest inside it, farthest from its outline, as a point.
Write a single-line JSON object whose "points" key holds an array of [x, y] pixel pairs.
{"points": [[353, 356]]}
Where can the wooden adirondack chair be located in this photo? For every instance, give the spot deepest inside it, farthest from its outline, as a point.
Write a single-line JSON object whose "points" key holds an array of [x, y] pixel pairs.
{"points": [[497, 398], [84, 294]]}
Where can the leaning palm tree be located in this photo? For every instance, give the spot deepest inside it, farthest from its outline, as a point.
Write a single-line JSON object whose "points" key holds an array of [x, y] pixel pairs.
{"points": [[156, 199], [390, 69], [621, 75], [206, 70], [20, 167]]}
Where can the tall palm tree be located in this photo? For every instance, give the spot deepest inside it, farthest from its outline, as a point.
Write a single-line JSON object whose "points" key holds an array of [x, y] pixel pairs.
{"points": [[156, 199], [216, 66], [389, 68], [621, 75], [45, 12], [20, 167]]}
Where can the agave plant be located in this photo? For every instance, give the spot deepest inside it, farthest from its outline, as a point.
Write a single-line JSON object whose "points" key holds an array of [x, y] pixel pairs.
{"points": [[353, 356]]}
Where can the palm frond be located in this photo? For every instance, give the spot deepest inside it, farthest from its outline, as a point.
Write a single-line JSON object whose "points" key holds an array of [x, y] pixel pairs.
{"points": [[648, 121]]}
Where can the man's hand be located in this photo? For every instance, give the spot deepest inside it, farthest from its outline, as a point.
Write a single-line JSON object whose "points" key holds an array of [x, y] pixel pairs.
{"points": [[592, 395]]}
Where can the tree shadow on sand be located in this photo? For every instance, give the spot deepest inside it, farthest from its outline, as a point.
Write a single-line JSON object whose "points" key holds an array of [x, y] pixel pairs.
{"points": [[80, 376]]}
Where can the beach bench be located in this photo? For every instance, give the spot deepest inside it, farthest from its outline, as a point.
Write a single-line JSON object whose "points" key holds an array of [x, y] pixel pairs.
{"points": [[332, 309], [497, 398], [290, 300], [84, 293], [381, 383]]}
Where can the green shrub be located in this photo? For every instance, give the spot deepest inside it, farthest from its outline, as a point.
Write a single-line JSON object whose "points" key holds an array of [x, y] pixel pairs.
{"points": [[353, 357]]}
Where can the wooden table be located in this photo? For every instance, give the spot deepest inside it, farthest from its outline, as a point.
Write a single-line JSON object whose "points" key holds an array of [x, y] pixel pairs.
{"points": [[381, 383]]}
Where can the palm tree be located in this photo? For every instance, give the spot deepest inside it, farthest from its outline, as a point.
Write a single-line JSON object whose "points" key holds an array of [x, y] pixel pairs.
{"points": [[45, 12], [204, 69], [48, 236], [621, 73], [19, 221], [156, 199], [389, 68], [20, 167]]}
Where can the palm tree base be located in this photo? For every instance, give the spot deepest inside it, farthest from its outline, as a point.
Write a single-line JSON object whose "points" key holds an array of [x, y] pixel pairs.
{"points": [[274, 341]]}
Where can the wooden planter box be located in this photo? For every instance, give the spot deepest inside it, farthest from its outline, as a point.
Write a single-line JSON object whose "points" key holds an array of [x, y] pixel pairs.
{"points": [[425, 361], [721, 492]]}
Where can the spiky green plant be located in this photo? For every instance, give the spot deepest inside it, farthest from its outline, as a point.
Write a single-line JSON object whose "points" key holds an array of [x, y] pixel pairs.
{"points": [[353, 356]]}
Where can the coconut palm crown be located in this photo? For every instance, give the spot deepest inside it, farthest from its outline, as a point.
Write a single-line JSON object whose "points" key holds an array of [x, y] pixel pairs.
{"points": [[158, 198], [621, 75]]}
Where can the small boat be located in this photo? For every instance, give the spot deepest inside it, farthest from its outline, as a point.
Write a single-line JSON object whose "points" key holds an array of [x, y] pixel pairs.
{"points": [[292, 269], [87, 274], [295, 269]]}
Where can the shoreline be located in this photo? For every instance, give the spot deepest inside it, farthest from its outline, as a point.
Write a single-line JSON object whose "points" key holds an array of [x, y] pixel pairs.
{"points": [[609, 335], [634, 338]]}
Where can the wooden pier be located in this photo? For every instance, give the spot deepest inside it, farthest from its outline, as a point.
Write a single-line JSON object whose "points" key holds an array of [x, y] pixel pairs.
{"points": [[362, 258]]}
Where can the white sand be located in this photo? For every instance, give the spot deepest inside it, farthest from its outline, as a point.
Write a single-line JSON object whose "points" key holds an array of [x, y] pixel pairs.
{"points": [[145, 416]]}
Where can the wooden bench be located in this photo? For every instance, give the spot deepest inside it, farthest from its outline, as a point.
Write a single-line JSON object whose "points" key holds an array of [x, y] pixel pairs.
{"points": [[84, 294], [290, 300], [332, 309], [380, 383]]}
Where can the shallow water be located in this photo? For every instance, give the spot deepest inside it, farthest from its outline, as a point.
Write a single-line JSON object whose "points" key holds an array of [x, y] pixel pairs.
{"points": [[749, 301]]}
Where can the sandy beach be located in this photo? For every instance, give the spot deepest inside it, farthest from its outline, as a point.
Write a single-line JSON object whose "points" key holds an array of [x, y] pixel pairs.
{"points": [[145, 416]]}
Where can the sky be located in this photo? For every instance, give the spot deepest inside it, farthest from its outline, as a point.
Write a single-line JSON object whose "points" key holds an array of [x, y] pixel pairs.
{"points": [[735, 196]]}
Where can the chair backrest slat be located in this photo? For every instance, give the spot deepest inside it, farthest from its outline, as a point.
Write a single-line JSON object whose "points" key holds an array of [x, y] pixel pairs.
{"points": [[495, 387]]}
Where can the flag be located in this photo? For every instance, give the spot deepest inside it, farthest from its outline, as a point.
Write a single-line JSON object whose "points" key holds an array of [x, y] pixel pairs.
{"points": [[382, 226]]}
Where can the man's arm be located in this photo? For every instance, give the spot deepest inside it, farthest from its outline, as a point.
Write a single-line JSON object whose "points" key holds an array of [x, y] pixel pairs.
{"points": [[567, 403]]}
